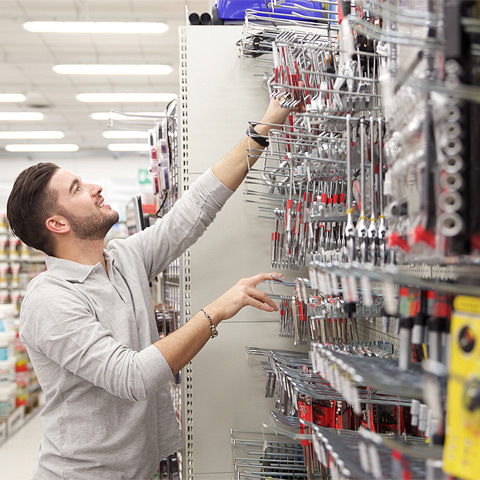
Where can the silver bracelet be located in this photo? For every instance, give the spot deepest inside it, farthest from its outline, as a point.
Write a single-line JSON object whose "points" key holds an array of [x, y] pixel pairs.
{"points": [[213, 328]]}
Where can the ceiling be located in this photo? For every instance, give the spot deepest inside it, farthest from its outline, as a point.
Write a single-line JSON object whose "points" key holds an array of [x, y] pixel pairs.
{"points": [[27, 59]]}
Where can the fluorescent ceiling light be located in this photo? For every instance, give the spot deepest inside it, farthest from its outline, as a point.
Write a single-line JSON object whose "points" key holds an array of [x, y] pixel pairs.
{"points": [[113, 69], [119, 116], [125, 97], [33, 134], [129, 147], [43, 147], [96, 27], [20, 116], [124, 134], [12, 97]]}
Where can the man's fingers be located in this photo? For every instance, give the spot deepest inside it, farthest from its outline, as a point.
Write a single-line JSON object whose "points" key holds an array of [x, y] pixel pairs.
{"points": [[260, 305], [261, 277], [262, 297]]}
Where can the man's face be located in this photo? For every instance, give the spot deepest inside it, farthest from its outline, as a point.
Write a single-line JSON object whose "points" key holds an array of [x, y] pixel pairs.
{"points": [[83, 206]]}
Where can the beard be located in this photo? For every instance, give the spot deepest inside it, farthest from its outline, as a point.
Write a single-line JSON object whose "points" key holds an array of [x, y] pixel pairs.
{"points": [[93, 227]]}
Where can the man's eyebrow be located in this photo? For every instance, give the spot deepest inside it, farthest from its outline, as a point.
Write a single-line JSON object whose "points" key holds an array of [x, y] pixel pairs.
{"points": [[76, 181]]}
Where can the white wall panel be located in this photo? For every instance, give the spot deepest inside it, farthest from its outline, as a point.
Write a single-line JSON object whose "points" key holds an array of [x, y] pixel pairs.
{"points": [[223, 95]]}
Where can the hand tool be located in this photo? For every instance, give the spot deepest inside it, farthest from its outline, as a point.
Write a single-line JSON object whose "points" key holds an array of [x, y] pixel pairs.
{"points": [[361, 227], [373, 228], [350, 227], [382, 227]]}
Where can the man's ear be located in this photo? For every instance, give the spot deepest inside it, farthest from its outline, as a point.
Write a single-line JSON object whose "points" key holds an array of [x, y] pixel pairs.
{"points": [[57, 224]]}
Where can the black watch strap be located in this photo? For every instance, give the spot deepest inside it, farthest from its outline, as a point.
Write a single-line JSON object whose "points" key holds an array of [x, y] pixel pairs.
{"points": [[260, 139]]}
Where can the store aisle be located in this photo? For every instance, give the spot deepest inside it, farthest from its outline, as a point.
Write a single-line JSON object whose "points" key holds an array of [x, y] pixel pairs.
{"points": [[18, 453]]}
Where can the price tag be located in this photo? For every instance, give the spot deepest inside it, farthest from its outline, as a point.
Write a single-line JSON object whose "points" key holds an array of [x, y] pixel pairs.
{"points": [[328, 286], [319, 285], [304, 291], [318, 449], [336, 378], [298, 292], [334, 472], [324, 456], [385, 324], [366, 291], [321, 280], [345, 289], [312, 355], [334, 282], [390, 298], [353, 288], [357, 408], [376, 467], [346, 390], [363, 454], [329, 372], [313, 278], [323, 367]]}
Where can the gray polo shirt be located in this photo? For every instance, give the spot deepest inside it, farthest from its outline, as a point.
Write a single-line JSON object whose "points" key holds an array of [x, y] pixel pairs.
{"points": [[108, 412]]}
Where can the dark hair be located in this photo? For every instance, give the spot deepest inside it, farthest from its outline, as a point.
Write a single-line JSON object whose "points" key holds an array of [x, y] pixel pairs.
{"points": [[30, 203]]}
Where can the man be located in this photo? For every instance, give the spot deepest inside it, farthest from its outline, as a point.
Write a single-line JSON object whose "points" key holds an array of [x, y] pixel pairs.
{"points": [[88, 322]]}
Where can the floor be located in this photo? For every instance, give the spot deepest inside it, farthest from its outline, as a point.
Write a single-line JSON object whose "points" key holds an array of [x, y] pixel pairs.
{"points": [[18, 453]]}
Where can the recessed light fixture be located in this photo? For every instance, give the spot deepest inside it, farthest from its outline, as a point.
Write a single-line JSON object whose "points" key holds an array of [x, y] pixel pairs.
{"points": [[125, 134], [96, 27], [119, 116], [129, 147], [125, 97], [11, 97], [31, 135], [71, 69], [42, 147], [21, 116]]}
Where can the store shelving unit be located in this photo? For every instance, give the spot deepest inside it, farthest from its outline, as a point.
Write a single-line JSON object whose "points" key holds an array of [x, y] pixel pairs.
{"points": [[219, 96], [20, 264], [426, 254]]}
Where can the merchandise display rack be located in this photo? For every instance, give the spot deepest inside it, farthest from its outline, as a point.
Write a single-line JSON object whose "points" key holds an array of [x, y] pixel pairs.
{"points": [[367, 187]]}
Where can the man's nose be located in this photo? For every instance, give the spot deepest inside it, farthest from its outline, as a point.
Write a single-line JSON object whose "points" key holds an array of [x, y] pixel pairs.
{"points": [[95, 189]]}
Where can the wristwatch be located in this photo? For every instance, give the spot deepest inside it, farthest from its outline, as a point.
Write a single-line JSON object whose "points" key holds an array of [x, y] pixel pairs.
{"points": [[254, 135]]}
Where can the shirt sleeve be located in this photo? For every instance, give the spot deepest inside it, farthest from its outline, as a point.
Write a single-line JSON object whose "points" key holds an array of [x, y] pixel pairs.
{"points": [[62, 327], [159, 245]]}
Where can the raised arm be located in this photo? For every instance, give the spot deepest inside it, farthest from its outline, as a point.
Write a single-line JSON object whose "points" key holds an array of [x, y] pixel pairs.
{"points": [[232, 168]]}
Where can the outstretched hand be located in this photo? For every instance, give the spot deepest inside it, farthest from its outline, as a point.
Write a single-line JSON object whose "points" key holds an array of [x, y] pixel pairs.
{"points": [[183, 344], [240, 295], [275, 113]]}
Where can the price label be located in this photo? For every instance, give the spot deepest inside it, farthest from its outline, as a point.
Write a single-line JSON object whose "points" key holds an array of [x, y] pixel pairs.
{"points": [[390, 298], [366, 291], [334, 282]]}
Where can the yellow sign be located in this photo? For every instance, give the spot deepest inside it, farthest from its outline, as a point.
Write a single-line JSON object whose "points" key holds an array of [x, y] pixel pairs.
{"points": [[462, 443]]}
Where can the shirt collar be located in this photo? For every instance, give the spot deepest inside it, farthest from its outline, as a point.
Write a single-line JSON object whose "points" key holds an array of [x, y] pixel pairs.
{"points": [[73, 271]]}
